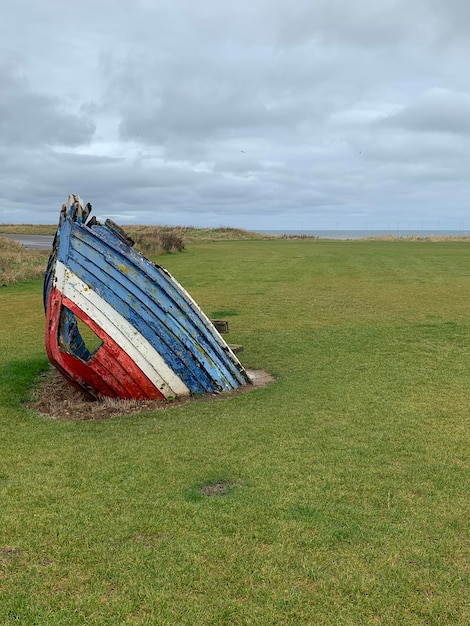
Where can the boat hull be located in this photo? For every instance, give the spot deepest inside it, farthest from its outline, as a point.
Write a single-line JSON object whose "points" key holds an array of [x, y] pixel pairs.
{"points": [[154, 341]]}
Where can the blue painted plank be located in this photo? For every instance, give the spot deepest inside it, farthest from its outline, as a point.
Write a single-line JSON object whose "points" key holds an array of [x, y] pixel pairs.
{"points": [[149, 309], [181, 327], [152, 301]]}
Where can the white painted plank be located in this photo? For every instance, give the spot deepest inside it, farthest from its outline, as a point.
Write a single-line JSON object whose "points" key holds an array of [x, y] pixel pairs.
{"points": [[121, 331]]}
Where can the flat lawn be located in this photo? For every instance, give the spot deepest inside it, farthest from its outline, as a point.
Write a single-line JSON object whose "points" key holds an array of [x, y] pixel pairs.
{"points": [[350, 488]]}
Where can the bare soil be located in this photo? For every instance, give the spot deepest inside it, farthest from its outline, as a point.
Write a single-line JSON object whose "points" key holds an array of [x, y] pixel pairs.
{"points": [[216, 489], [9, 554], [56, 398]]}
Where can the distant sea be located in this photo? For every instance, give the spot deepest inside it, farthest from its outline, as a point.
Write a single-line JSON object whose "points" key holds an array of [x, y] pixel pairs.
{"points": [[360, 234]]}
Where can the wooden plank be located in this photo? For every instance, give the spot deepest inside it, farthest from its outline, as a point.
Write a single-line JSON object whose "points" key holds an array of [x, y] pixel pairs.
{"points": [[221, 326], [154, 338], [235, 348]]}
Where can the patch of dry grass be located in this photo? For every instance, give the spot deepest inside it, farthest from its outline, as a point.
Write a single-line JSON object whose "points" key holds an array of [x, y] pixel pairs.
{"points": [[148, 239], [28, 229], [18, 264], [153, 240], [55, 397], [432, 238], [147, 235], [139, 231]]}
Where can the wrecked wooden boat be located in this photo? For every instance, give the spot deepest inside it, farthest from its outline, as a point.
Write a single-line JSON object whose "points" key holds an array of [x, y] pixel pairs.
{"points": [[119, 326]]}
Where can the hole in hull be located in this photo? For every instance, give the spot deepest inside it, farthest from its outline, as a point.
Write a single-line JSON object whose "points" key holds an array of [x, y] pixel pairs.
{"points": [[76, 337]]}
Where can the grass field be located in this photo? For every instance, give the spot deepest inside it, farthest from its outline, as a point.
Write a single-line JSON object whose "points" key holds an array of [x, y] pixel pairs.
{"points": [[349, 476]]}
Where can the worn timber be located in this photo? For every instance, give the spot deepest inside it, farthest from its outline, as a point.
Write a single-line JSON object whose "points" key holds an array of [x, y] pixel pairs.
{"points": [[149, 337]]}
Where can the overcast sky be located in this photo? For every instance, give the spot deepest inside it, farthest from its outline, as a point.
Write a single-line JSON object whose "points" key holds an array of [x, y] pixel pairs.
{"points": [[263, 114]]}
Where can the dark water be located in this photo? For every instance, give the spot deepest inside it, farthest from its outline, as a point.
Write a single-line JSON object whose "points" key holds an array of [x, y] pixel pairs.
{"points": [[360, 234]]}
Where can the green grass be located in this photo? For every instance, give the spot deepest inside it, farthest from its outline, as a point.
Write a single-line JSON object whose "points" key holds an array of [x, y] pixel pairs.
{"points": [[349, 477]]}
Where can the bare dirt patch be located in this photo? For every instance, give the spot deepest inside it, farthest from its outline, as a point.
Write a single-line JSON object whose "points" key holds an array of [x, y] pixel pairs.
{"points": [[216, 489], [56, 398], [10, 554]]}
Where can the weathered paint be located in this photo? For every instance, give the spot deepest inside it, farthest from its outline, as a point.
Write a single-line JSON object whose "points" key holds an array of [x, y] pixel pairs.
{"points": [[90, 306], [163, 310], [108, 372], [156, 341]]}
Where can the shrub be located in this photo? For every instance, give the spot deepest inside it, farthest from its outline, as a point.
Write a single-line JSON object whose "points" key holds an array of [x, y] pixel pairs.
{"points": [[170, 242]]}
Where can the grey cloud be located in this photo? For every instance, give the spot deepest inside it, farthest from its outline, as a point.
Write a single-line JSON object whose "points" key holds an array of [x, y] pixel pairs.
{"points": [[33, 119], [241, 165], [218, 101], [436, 111], [344, 111], [453, 18], [336, 21]]}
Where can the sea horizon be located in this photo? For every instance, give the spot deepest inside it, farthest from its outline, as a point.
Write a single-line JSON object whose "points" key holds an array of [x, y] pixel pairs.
{"points": [[361, 234]]}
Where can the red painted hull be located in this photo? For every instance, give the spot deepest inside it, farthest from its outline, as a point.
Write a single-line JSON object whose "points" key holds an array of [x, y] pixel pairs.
{"points": [[109, 372]]}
